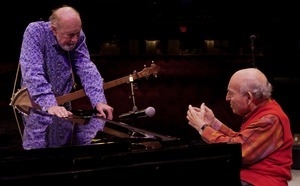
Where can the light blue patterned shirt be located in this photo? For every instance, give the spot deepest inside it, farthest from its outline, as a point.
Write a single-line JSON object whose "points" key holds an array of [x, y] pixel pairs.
{"points": [[47, 69]]}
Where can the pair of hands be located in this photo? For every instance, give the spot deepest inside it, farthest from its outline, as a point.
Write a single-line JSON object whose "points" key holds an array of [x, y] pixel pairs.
{"points": [[197, 117], [103, 109]]}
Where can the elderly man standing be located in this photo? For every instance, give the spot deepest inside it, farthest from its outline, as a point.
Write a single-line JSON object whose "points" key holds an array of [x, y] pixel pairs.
{"points": [[53, 53]]}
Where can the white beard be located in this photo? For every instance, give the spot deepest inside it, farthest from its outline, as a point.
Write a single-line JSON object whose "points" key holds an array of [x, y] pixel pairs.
{"points": [[68, 47]]}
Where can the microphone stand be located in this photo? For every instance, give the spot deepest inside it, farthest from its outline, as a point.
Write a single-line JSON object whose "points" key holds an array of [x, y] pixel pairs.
{"points": [[134, 109], [132, 85], [252, 39], [253, 58]]}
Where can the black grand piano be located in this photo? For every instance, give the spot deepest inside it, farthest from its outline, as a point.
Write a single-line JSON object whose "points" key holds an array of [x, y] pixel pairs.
{"points": [[118, 153]]}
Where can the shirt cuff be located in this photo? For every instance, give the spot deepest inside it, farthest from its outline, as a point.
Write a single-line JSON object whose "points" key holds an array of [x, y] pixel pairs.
{"points": [[216, 124]]}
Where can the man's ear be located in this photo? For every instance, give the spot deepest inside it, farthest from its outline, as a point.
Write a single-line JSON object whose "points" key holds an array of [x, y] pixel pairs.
{"points": [[249, 97], [54, 29]]}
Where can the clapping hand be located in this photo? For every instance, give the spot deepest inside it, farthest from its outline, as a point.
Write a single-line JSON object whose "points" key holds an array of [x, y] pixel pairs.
{"points": [[197, 117]]}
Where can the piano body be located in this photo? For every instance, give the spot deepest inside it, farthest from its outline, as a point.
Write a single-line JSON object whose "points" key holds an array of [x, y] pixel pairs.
{"points": [[121, 153]]}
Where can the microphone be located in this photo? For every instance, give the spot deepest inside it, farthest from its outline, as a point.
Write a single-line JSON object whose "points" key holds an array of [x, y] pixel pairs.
{"points": [[148, 112]]}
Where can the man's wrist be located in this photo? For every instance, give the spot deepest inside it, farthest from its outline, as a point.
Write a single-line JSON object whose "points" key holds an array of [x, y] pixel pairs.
{"points": [[203, 127]]}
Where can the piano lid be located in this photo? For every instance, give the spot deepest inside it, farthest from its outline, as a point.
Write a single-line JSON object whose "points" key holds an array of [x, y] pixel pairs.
{"points": [[115, 131]]}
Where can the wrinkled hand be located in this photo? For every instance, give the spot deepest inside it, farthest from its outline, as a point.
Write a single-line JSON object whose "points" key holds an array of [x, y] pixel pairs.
{"points": [[208, 114], [105, 111], [197, 117], [59, 111]]}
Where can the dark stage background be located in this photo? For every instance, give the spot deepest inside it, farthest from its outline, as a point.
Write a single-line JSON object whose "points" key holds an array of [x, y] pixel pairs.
{"points": [[190, 74]]}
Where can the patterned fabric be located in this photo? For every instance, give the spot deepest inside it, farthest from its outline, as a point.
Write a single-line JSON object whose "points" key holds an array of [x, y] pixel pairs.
{"points": [[266, 141]]}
